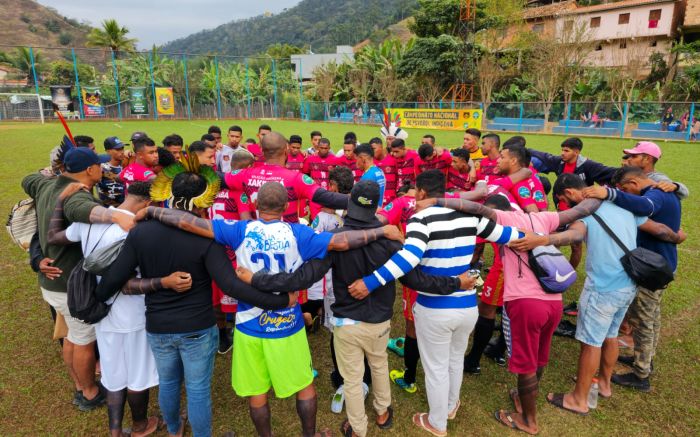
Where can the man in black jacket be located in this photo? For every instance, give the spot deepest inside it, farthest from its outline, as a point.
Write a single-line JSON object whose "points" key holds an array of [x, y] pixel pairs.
{"points": [[361, 327]]}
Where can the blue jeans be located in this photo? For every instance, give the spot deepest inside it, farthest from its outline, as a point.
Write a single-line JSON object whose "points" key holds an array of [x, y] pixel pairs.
{"points": [[189, 355]]}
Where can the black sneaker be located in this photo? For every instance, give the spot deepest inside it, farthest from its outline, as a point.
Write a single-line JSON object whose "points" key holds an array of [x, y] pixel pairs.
{"points": [[225, 342], [96, 402], [77, 397], [565, 329], [628, 360], [632, 381], [472, 369], [498, 358]]}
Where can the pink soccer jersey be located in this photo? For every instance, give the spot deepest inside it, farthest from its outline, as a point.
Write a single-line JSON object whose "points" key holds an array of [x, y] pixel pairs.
{"points": [[442, 162], [457, 181], [229, 205], [349, 163], [406, 168], [136, 172], [295, 162], [299, 186]]}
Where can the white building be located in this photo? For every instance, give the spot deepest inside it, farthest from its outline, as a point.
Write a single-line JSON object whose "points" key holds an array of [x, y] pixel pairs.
{"points": [[303, 66]]}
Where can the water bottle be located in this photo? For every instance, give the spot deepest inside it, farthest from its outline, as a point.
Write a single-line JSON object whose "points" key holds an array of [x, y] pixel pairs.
{"points": [[593, 395]]}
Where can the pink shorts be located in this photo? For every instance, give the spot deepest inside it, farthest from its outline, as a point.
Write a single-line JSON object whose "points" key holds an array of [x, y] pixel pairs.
{"points": [[529, 325]]}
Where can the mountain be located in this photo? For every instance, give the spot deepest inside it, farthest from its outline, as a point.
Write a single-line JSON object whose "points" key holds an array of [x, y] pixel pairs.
{"points": [[27, 23], [319, 24]]}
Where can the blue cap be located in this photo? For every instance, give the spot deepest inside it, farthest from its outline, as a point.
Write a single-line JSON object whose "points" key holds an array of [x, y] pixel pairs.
{"points": [[112, 143], [79, 159]]}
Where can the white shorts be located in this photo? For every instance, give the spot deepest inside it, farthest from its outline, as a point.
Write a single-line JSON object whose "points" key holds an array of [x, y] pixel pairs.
{"points": [[79, 333], [126, 360]]}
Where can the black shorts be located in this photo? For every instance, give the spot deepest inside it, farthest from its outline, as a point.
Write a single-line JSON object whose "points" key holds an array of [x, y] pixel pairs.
{"points": [[312, 306]]}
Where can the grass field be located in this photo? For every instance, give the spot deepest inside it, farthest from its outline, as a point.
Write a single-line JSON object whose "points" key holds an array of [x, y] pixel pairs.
{"points": [[35, 392]]}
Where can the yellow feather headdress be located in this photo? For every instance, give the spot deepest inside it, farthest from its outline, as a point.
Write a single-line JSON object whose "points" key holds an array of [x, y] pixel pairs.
{"points": [[162, 187]]}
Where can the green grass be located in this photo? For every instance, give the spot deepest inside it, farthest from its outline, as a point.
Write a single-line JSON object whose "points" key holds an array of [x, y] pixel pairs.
{"points": [[35, 392]]}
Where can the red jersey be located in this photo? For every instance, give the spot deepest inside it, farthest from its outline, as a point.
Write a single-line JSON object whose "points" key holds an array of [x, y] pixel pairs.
{"points": [[349, 163], [526, 193], [295, 162], [228, 205], [388, 166], [568, 168], [136, 172], [488, 169], [442, 162], [318, 168], [299, 186], [399, 211], [457, 181], [256, 150], [406, 168]]}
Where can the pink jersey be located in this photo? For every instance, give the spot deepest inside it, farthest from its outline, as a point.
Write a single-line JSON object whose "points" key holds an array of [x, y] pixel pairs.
{"points": [[229, 205], [295, 162], [488, 169], [399, 211], [388, 166], [526, 193], [136, 172], [318, 168], [406, 168], [499, 190], [351, 163], [441, 162], [457, 181], [299, 186]]}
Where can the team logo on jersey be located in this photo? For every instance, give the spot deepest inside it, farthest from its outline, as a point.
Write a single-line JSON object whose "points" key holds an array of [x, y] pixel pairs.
{"points": [[524, 192], [307, 179], [314, 224], [389, 207], [538, 196], [244, 198], [237, 171]]}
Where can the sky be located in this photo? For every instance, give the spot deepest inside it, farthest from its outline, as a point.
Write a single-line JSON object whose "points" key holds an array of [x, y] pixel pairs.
{"points": [[160, 21]]}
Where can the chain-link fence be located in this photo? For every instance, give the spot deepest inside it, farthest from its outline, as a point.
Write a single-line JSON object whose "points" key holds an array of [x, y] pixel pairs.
{"points": [[156, 85]]}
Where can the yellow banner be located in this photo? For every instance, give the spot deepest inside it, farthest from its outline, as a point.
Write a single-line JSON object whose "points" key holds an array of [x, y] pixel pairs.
{"points": [[165, 102], [447, 119]]}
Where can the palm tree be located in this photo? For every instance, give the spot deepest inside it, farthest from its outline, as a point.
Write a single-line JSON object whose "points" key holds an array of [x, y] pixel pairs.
{"points": [[112, 37], [23, 62]]}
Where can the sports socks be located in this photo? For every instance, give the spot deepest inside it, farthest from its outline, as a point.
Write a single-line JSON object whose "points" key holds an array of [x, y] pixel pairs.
{"points": [[482, 334], [410, 359]]}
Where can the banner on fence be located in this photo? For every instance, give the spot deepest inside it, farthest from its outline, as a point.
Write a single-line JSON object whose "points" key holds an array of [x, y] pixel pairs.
{"points": [[62, 99], [92, 102], [137, 100], [448, 119], [165, 101]]}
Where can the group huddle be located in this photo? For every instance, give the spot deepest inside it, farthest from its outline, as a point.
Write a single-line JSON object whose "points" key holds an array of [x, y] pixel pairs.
{"points": [[179, 241]]}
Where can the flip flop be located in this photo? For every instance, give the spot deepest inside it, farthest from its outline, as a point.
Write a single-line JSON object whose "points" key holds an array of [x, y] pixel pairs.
{"points": [[346, 428], [558, 401], [396, 345], [515, 398], [421, 421], [510, 422], [452, 414], [389, 420]]}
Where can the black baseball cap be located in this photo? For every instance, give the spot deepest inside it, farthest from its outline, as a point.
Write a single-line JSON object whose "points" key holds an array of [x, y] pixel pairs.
{"points": [[363, 201], [79, 159], [138, 135], [113, 143]]}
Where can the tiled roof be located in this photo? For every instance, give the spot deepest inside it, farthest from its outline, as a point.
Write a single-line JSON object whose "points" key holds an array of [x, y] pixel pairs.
{"points": [[549, 10], [616, 5], [570, 7]]}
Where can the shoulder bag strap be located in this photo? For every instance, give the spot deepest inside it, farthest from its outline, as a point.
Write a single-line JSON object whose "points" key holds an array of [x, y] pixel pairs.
{"points": [[610, 232]]}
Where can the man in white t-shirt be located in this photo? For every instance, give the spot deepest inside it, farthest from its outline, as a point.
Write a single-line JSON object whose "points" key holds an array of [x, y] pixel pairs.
{"points": [[127, 364]]}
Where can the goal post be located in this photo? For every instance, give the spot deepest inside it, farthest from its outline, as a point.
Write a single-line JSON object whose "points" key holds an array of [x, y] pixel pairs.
{"points": [[21, 106]]}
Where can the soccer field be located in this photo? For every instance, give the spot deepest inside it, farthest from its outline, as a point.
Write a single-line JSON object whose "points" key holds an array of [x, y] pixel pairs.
{"points": [[36, 393]]}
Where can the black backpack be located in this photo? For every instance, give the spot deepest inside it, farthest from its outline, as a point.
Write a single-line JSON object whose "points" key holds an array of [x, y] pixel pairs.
{"points": [[82, 303]]}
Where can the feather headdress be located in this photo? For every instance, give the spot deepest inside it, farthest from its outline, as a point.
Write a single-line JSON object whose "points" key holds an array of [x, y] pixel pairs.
{"points": [[392, 125], [162, 187], [58, 153]]}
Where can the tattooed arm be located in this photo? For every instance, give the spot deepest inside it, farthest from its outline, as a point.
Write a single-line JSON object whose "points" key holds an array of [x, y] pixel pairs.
{"points": [[462, 205], [179, 219], [178, 281], [662, 232], [56, 233], [575, 233], [583, 209], [100, 214], [347, 240]]}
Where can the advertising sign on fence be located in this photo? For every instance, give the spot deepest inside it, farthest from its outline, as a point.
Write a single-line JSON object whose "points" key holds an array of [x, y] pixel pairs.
{"points": [[62, 99], [137, 100], [165, 101], [92, 102], [447, 119]]}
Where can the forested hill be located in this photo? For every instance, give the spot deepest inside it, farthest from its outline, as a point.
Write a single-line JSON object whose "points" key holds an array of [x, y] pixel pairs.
{"points": [[319, 24]]}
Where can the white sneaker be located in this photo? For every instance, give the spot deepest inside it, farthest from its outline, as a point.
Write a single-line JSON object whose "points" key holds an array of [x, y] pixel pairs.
{"points": [[338, 400]]}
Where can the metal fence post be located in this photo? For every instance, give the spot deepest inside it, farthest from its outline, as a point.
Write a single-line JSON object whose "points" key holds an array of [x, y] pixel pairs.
{"points": [[301, 93], [36, 81], [116, 85], [440, 103], [568, 117], [623, 121], [690, 121], [520, 119], [274, 85], [77, 84], [153, 85], [187, 87], [247, 88], [218, 88]]}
